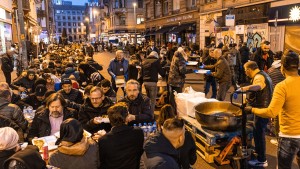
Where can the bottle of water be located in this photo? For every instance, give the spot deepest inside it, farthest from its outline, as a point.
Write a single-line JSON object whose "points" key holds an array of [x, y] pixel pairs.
{"points": [[154, 127], [150, 129], [24, 110], [23, 95], [134, 125], [145, 130], [140, 125]]}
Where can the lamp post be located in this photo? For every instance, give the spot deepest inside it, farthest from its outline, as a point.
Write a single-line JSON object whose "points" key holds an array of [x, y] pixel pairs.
{"points": [[87, 31], [134, 13]]}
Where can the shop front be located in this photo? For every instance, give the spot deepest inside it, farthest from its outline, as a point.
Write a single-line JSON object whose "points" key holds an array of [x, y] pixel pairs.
{"points": [[285, 23], [5, 30]]}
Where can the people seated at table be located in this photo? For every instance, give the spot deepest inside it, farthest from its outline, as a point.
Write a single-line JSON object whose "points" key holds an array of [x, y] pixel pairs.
{"points": [[8, 143], [47, 122], [25, 83], [93, 110], [35, 99], [69, 92], [75, 150], [173, 147], [11, 111], [122, 147], [108, 90], [6, 122], [139, 106], [166, 112]]}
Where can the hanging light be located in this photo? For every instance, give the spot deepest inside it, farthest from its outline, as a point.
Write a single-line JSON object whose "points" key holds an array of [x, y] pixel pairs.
{"points": [[295, 14]]}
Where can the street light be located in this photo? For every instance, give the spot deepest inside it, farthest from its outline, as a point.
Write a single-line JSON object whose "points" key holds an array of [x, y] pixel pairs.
{"points": [[134, 6]]}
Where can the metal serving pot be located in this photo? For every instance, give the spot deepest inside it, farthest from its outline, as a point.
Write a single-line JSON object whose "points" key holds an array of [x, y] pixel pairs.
{"points": [[219, 116]]}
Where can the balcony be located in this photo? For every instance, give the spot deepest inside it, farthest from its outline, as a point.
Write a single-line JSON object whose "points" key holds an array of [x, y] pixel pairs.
{"points": [[41, 13], [119, 11], [176, 11], [191, 8]]}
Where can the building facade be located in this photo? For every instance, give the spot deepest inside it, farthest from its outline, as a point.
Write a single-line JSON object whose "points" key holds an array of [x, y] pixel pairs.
{"points": [[71, 18], [5, 25], [172, 21], [125, 20], [45, 20]]}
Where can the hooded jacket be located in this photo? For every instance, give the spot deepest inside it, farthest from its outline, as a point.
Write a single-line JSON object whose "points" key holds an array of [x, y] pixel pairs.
{"points": [[70, 71], [13, 112], [87, 113], [151, 67], [24, 82], [74, 95]]}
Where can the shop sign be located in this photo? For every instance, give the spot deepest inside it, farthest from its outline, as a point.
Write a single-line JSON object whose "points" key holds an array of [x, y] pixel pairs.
{"points": [[240, 29], [179, 18], [2, 14], [230, 20]]}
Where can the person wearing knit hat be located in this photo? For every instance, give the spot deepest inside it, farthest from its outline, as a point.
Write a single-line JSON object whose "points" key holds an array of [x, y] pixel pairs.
{"points": [[8, 143], [25, 83]]}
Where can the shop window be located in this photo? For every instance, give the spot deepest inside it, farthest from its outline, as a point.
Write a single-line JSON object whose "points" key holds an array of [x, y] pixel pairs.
{"points": [[139, 19], [176, 5]]}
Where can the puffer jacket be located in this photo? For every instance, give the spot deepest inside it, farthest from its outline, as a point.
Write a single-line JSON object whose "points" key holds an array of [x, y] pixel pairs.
{"points": [[178, 70], [13, 112], [70, 71], [151, 68], [74, 96], [41, 126], [24, 82], [140, 107], [87, 113]]}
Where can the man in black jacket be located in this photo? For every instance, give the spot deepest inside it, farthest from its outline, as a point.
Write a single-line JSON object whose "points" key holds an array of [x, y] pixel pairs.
{"points": [[151, 67], [47, 122], [93, 110], [122, 147], [138, 104], [264, 57], [7, 65], [69, 93], [35, 100], [151, 48]]}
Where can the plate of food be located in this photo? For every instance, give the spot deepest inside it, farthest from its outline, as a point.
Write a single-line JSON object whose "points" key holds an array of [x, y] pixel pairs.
{"points": [[45, 141]]}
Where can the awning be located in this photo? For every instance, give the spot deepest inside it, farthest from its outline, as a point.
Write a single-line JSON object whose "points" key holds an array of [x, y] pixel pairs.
{"points": [[150, 32], [164, 29], [181, 28]]}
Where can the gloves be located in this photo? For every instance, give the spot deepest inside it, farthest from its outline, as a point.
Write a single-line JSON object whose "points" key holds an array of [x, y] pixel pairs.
{"points": [[195, 71], [208, 73], [248, 109], [114, 77], [241, 67], [202, 66]]}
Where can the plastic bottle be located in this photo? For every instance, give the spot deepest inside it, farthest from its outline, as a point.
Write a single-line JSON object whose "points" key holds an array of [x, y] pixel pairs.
{"points": [[154, 127], [145, 130], [140, 125], [150, 129], [134, 125]]}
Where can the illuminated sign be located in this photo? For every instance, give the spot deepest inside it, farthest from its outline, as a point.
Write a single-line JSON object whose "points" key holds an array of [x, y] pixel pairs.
{"points": [[295, 14]]}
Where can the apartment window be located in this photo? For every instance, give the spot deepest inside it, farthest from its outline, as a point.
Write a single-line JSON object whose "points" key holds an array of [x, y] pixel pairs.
{"points": [[148, 11], [208, 1], [165, 7], [58, 23], [58, 11], [78, 12], [70, 30], [68, 12], [69, 17], [74, 18], [73, 12], [59, 30], [191, 4], [79, 29], [79, 24], [58, 17], [119, 3], [78, 18], [123, 20], [157, 8], [63, 17], [74, 30], [140, 4], [69, 23], [139, 19], [176, 5], [64, 23]]}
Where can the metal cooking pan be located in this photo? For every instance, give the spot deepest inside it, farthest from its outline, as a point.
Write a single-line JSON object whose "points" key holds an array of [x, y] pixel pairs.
{"points": [[219, 116]]}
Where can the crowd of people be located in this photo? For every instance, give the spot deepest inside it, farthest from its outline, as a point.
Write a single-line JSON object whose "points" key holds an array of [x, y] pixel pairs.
{"points": [[67, 93]]}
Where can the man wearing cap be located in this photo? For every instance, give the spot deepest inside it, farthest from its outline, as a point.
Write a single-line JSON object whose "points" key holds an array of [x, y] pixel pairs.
{"points": [[35, 99], [151, 67], [11, 111], [48, 120], [7, 65], [73, 95]]}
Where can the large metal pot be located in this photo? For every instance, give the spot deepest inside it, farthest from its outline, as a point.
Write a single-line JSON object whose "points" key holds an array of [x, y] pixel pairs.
{"points": [[219, 116]]}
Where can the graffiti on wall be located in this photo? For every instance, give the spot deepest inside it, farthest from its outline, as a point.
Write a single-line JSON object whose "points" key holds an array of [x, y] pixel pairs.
{"points": [[255, 34], [227, 37]]}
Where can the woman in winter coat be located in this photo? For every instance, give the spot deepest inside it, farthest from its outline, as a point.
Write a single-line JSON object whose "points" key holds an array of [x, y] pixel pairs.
{"points": [[75, 150]]}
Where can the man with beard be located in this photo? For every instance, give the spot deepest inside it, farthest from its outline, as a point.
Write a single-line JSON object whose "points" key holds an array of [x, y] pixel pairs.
{"points": [[35, 99], [264, 56], [138, 104], [48, 121], [93, 110], [73, 95]]}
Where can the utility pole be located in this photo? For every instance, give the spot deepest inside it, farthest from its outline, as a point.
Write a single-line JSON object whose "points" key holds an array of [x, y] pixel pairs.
{"points": [[23, 58]]}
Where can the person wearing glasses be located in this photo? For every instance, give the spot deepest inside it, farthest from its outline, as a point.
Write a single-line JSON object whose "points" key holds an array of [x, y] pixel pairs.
{"points": [[93, 110]]}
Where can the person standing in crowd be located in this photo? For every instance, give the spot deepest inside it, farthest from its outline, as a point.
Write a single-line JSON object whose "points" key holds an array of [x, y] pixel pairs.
{"points": [[263, 56], [151, 67], [259, 98], [235, 64], [173, 147], [177, 73], [222, 74], [118, 67], [8, 143], [93, 110], [122, 147], [89, 50], [285, 103], [245, 53], [152, 48], [47, 122], [75, 151], [11, 111], [138, 104], [67, 91], [210, 80], [7, 65]]}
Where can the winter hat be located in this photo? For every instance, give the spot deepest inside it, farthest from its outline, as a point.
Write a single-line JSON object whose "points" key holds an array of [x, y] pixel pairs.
{"points": [[66, 81], [40, 90], [9, 138], [71, 130]]}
